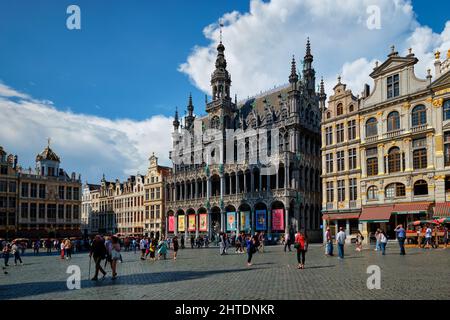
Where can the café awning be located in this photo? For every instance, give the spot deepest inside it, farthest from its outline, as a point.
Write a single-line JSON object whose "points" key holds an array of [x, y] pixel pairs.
{"points": [[442, 210], [341, 216], [376, 214], [411, 208]]}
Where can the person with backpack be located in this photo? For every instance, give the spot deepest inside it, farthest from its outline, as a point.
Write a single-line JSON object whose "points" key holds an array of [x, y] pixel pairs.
{"points": [[383, 241], [301, 244], [251, 249]]}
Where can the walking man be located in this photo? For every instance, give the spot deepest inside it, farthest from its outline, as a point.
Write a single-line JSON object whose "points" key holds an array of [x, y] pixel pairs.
{"points": [[340, 241], [401, 236], [98, 252], [16, 253]]}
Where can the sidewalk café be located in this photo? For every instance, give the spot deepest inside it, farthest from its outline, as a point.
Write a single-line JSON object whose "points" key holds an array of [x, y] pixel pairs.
{"points": [[387, 217], [347, 220]]}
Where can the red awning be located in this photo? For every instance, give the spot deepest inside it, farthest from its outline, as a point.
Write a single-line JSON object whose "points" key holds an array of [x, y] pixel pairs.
{"points": [[376, 214], [341, 216], [442, 210], [411, 207]]}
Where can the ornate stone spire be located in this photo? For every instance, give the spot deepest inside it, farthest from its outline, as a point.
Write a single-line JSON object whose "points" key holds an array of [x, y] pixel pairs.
{"points": [[176, 121], [293, 77]]}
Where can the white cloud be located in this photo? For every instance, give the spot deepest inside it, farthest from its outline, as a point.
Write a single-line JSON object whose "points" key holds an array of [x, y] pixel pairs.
{"points": [[86, 144], [259, 43]]}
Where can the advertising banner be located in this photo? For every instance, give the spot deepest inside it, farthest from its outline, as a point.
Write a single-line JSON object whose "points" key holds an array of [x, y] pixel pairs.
{"points": [[191, 222], [277, 220], [171, 224], [181, 223], [203, 222], [245, 220], [260, 217], [231, 221]]}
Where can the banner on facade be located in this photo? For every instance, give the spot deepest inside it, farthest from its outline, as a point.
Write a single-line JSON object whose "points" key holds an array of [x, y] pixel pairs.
{"points": [[203, 222], [277, 220], [181, 223], [245, 220], [191, 222], [171, 224], [231, 221], [260, 217]]}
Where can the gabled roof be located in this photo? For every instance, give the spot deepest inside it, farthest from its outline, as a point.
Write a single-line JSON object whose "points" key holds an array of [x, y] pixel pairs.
{"points": [[394, 62], [442, 80]]}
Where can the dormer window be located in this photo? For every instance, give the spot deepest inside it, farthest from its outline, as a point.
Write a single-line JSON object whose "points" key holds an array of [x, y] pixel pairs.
{"points": [[393, 86]]}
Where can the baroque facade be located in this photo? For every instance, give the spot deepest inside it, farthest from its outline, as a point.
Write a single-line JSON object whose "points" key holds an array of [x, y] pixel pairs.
{"points": [[132, 207], [402, 171], [208, 191], [47, 200]]}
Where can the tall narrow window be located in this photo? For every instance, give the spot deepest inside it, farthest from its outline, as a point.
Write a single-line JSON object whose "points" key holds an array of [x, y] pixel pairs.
{"points": [[351, 129], [341, 190], [353, 189], [329, 136], [330, 191], [329, 162], [393, 86], [372, 161], [340, 161], [394, 160], [340, 133], [352, 159], [339, 109]]}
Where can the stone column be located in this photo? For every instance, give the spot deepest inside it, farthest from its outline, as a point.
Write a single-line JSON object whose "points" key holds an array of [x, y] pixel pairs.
{"points": [[175, 232], [197, 224], [252, 212], [407, 150], [381, 160], [186, 233], [237, 183], [269, 223]]}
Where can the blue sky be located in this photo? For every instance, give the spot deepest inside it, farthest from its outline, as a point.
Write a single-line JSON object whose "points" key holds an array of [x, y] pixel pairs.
{"points": [[114, 84], [122, 63]]}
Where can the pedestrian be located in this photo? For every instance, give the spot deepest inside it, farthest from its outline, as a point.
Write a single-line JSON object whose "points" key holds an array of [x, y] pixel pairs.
{"points": [[98, 252], [143, 247], [162, 248], [222, 243], [251, 249], [329, 242], [182, 241], [192, 241], [63, 250], [16, 253], [68, 249], [175, 247], [428, 236], [152, 246], [108, 246], [115, 255], [287, 242], [377, 239], [359, 240], [134, 245], [340, 241], [36, 246], [401, 236], [6, 251], [383, 241], [301, 244], [261, 242]]}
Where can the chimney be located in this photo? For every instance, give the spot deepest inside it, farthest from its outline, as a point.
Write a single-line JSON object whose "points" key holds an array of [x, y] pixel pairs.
{"points": [[437, 64]]}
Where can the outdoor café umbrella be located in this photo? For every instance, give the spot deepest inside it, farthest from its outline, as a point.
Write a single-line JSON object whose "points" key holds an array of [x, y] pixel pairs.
{"points": [[419, 222], [442, 220]]}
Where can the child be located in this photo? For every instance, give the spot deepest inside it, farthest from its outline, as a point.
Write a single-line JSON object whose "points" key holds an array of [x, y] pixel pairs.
{"points": [[62, 249]]}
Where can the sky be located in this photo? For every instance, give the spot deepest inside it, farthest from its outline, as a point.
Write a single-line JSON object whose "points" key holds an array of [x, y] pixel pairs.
{"points": [[106, 94]]}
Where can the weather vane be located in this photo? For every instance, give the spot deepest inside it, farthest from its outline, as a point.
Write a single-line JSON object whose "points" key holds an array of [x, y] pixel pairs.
{"points": [[220, 28]]}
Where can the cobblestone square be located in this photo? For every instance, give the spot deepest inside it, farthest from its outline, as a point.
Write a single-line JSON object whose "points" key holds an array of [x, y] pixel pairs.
{"points": [[200, 274]]}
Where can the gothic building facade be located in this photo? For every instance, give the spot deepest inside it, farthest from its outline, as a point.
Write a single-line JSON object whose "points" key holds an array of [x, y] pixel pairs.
{"points": [[214, 187]]}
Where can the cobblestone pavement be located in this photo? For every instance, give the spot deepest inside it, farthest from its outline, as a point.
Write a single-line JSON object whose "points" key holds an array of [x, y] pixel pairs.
{"points": [[203, 274]]}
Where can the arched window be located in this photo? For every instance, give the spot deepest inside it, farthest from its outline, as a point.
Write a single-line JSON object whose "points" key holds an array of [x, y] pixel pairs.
{"points": [[393, 121], [372, 193], [371, 127], [328, 115], [394, 159], [447, 110], [420, 188], [394, 190], [351, 108], [339, 109], [419, 116]]}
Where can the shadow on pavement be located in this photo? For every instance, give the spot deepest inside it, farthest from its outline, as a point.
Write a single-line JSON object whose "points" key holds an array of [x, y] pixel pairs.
{"points": [[15, 291]]}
